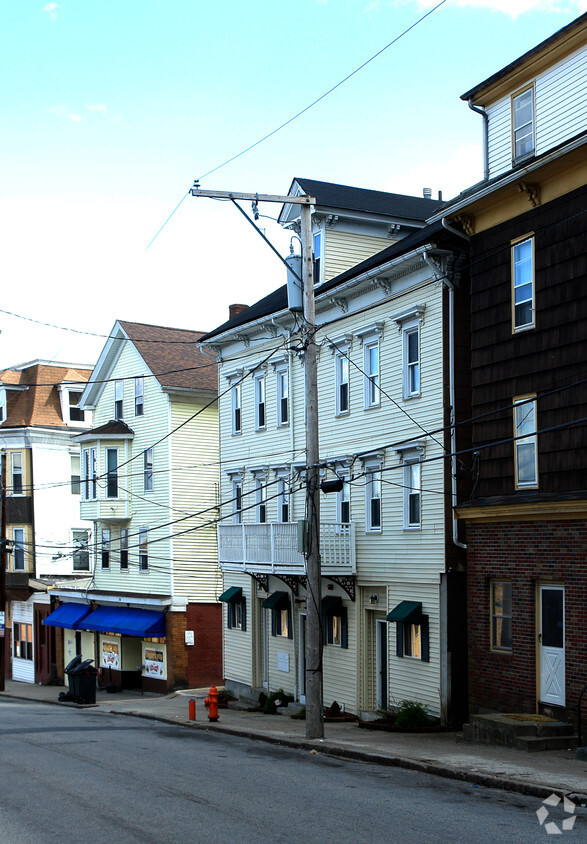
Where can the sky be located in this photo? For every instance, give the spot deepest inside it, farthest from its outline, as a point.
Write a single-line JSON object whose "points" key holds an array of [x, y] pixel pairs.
{"points": [[110, 110]]}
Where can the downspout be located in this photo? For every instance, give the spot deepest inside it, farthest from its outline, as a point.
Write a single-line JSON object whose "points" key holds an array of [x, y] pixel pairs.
{"points": [[451, 391], [480, 110]]}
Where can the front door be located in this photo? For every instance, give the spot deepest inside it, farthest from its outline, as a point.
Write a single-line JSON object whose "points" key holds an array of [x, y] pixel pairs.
{"points": [[43, 649], [302, 658], [551, 639], [381, 664]]}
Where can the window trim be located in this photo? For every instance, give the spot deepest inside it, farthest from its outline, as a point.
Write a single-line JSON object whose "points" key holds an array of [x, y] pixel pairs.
{"points": [[515, 244], [260, 402], [143, 549], [532, 152], [18, 549], [283, 500], [105, 539], [529, 439], [119, 401], [374, 484], [148, 462], [111, 473], [16, 472], [261, 499], [282, 395], [408, 331], [236, 397], [139, 396], [89, 474], [493, 617], [412, 492], [80, 544], [237, 501], [372, 381], [342, 362], [343, 497], [123, 540]]}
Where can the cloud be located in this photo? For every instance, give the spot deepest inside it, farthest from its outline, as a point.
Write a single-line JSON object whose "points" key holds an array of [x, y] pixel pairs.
{"points": [[61, 111], [99, 108], [51, 9], [515, 8]]}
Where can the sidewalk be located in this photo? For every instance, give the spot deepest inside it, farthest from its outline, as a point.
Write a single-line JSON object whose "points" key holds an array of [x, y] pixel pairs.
{"points": [[444, 754]]}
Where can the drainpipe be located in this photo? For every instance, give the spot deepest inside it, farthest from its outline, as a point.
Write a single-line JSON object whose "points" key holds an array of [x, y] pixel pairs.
{"points": [[451, 390], [480, 110]]}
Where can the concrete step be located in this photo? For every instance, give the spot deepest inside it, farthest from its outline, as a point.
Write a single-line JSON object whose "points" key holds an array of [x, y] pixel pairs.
{"points": [[524, 732], [531, 744]]}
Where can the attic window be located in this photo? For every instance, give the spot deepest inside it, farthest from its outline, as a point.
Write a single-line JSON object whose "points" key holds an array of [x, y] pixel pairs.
{"points": [[76, 414]]}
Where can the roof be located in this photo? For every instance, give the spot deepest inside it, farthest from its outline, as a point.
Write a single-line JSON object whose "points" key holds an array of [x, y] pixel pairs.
{"points": [[277, 301], [509, 69], [115, 426], [345, 197], [173, 356], [39, 403]]}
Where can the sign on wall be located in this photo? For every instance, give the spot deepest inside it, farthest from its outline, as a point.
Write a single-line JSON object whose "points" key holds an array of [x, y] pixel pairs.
{"points": [[110, 654], [154, 663]]}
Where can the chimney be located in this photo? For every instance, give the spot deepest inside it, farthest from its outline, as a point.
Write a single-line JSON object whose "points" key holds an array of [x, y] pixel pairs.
{"points": [[427, 193], [235, 310]]}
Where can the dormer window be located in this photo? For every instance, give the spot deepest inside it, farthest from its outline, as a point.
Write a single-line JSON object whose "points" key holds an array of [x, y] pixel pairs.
{"points": [[76, 414], [523, 124]]}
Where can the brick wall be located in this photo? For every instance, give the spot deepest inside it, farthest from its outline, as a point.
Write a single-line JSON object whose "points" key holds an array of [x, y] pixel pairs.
{"points": [[176, 650], [205, 655], [526, 553]]}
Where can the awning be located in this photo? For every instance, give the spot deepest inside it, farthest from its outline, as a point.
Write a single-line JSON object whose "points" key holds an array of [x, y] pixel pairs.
{"points": [[331, 605], [233, 593], [67, 615], [126, 621], [275, 600], [404, 611]]}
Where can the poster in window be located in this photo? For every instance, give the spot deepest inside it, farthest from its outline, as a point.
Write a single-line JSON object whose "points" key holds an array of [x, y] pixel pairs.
{"points": [[110, 654], [153, 663]]}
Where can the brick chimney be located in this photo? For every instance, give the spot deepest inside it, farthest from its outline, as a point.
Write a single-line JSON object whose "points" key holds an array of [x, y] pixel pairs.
{"points": [[235, 310]]}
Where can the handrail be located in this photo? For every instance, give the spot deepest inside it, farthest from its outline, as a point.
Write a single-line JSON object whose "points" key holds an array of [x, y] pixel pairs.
{"points": [[579, 737]]}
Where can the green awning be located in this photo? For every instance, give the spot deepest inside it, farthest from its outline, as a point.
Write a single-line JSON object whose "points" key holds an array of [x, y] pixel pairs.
{"points": [[331, 605], [404, 611], [233, 593], [276, 600]]}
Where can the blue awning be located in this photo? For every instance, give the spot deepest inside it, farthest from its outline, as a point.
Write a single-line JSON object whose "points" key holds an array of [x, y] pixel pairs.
{"points": [[126, 621], [67, 615]]}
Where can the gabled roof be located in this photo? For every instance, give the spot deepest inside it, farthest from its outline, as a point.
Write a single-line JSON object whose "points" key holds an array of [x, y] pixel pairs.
{"points": [[34, 389], [362, 200], [277, 301]]}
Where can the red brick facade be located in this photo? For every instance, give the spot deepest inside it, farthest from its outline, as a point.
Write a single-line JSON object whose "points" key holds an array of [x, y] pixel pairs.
{"points": [[204, 657], [527, 553]]}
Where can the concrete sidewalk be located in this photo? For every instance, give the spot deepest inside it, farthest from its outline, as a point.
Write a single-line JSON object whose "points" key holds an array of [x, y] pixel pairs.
{"points": [[444, 754]]}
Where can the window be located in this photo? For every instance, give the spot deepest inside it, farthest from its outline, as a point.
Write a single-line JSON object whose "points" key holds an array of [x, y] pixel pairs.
{"points": [[18, 552], [501, 615], [317, 247], [373, 501], [334, 622], [105, 548], [111, 473], [343, 503], [81, 554], [236, 606], [412, 630], [75, 474], [526, 447], [143, 549], [236, 408], [412, 495], [342, 383], [260, 403], [118, 399], [148, 470], [16, 464], [282, 500], [282, 376], [89, 483], [280, 607], [523, 284], [23, 640], [124, 549], [2, 405], [371, 357], [139, 396], [237, 502], [76, 414], [261, 502], [411, 362], [523, 124]]}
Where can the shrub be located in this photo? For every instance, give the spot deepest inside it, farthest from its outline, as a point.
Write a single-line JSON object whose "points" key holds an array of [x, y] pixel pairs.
{"points": [[412, 715]]}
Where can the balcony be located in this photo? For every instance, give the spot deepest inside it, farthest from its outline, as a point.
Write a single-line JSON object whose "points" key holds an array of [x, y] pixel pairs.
{"points": [[106, 510], [273, 549]]}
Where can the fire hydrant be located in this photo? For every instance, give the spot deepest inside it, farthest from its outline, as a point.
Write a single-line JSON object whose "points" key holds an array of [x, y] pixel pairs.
{"points": [[212, 703]]}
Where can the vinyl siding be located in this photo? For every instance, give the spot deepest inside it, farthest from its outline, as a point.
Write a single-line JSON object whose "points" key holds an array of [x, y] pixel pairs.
{"points": [[344, 250], [238, 644]]}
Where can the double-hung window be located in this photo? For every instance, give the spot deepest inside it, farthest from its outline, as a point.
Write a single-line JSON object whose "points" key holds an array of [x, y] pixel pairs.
{"points": [[525, 442], [76, 414], [523, 124], [372, 374], [118, 400], [261, 502], [334, 622], [139, 396], [236, 606], [411, 361], [523, 284], [412, 494], [501, 615], [236, 394], [343, 503], [18, 551], [124, 549], [89, 481], [148, 470], [412, 630], [105, 548], [283, 513], [143, 549], [317, 247], [260, 405], [81, 554], [75, 474], [373, 501], [282, 377], [23, 640], [16, 466], [342, 383], [237, 501], [111, 473]]}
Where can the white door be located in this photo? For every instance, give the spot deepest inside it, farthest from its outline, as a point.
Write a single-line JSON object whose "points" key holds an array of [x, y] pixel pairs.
{"points": [[302, 658], [551, 640]]}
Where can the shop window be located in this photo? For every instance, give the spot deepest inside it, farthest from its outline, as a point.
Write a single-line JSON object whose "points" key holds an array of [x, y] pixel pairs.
{"points": [[22, 637]]}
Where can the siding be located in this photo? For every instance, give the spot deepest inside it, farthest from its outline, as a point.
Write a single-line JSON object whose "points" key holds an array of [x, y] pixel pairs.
{"points": [[239, 644], [344, 250]]}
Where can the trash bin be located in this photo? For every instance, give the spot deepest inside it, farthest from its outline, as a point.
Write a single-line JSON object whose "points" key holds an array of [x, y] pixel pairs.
{"points": [[70, 671], [84, 679]]}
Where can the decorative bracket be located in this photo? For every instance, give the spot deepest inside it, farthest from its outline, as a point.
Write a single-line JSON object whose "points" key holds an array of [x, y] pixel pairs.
{"points": [[291, 580], [341, 303], [346, 582], [244, 338], [262, 580], [467, 223], [532, 191], [385, 285]]}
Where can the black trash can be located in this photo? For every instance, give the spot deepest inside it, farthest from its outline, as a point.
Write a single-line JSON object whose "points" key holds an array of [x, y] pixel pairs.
{"points": [[84, 676], [70, 670]]}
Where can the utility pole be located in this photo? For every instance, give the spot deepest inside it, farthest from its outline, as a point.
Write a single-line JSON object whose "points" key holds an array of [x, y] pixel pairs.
{"points": [[314, 696]]}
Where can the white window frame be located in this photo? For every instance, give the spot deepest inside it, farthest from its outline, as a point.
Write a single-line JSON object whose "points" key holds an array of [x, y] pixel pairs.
{"points": [[518, 128], [3, 410], [73, 407], [123, 539], [111, 474], [411, 368], [260, 402], [143, 549], [412, 493], [139, 396], [18, 551], [261, 499], [520, 284], [16, 473], [525, 415], [373, 492], [89, 475], [282, 390], [372, 396], [22, 647], [343, 502], [80, 539], [343, 383], [148, 462], [283, 500], [105, 548], [237, 501], [119, 401], [236, 396]]}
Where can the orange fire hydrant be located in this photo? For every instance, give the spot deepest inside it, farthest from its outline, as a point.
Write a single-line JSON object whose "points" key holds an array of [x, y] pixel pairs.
{"points": [[212, 704]]}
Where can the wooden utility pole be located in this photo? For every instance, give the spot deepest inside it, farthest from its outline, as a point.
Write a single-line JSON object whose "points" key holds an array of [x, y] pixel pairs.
{"points": [[314, 696]]}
